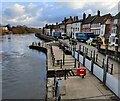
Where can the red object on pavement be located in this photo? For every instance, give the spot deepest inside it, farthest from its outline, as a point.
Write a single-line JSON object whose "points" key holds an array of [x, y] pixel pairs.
{"points": [[81, 71]]}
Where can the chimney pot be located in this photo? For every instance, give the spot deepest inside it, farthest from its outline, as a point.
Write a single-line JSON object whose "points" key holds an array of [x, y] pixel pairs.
{"points": [[76, 18], [84, 16], [98, 13], [89, 15]]}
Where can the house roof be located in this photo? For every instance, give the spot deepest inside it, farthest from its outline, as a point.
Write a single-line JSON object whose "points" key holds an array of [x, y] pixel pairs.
{"points": [[81, 20], [102, 19], [117, 16], [89, 19]]}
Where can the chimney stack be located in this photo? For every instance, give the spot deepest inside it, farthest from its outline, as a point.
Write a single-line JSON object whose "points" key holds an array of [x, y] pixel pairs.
{"points": [[56, 23], [89, 15], [98, 13], [64, 18], [76, 18], [84, 16]]}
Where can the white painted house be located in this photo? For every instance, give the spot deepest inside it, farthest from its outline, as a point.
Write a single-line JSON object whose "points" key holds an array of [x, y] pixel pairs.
{"points": [[69, 29], [101, 25]]}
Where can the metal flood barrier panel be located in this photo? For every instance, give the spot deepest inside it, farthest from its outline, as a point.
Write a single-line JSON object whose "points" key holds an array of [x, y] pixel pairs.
{"points": [[98, 72], [111, 82]]}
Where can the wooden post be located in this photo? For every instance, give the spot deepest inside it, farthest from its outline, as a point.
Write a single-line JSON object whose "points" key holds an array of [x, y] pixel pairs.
{"points": [[111, 69]]}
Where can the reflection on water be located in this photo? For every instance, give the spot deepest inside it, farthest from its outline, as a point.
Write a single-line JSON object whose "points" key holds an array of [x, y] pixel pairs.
{"points": [[23, 69]]}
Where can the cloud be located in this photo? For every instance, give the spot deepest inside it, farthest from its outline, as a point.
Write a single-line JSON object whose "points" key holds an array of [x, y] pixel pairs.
{"points": [[16, 10], [20, 14], [39, 13]]}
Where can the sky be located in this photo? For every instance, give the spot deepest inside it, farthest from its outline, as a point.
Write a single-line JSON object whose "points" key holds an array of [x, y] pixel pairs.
{"points": [[37, 13]]}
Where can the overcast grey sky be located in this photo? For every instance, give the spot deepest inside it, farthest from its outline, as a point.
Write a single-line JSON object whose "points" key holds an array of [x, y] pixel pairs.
{"points": [[38, 13]]}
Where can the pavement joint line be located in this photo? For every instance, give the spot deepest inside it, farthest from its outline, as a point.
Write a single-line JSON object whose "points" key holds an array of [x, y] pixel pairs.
{"points": [[97, 96], [99, 89]]}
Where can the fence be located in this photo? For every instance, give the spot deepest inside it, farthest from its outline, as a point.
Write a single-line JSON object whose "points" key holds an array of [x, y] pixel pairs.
{"points": [[101, 73]]}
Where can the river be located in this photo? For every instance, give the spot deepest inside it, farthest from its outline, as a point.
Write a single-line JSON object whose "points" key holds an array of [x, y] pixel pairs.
{"points": [[23, 69]]}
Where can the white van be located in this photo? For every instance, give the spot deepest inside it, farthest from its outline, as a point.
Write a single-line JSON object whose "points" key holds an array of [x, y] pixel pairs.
{"points": [[112, 39]]}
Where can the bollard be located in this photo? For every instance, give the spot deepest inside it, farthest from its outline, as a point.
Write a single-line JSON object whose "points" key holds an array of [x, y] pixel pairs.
{"points": [[111, 69]]}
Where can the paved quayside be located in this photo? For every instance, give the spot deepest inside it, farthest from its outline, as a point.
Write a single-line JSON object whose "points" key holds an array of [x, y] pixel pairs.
{"points": [[71, 87], [75, 87]]}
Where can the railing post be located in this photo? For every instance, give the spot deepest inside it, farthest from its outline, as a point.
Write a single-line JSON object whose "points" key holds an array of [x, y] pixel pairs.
{"points": [[111, 69], [96, 57], [63, 58], [83, 49], [79, 52], [78, 64], [75, 63], [105, 70], [61, 63], [91, 54], [92, 62], [65, 73]]}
